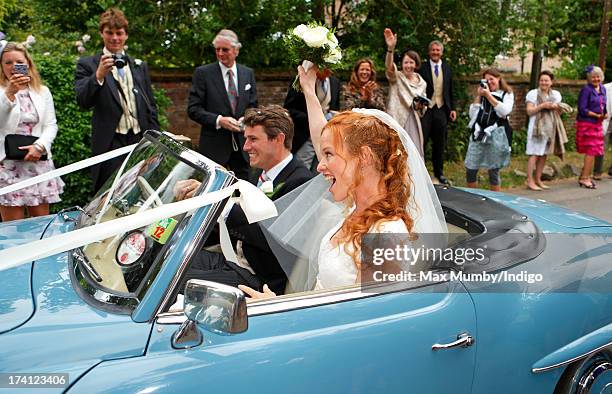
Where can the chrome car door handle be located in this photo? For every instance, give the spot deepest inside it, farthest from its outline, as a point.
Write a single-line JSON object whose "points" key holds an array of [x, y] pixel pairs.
{"points": [[463, 340]]}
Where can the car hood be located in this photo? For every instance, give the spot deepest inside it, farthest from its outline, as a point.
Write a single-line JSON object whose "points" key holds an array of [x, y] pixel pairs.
{"points": [[549, 217], [16, 304], [60, 330]]}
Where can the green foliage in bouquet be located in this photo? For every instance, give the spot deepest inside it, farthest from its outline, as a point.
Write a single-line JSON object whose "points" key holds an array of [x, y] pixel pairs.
{"points": [[314, 43]]}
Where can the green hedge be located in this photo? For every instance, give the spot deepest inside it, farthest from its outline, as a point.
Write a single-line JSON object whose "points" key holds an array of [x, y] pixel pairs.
{"points": [[73, 139], [74, 127]]}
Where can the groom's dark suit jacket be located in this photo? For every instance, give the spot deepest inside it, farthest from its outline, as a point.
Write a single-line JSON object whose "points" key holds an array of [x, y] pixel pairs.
{"points": [[208, 99], [254, 244], [106, 103]]}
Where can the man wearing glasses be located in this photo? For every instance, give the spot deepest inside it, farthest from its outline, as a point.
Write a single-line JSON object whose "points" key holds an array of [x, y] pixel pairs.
{"points": [[219, 95]]}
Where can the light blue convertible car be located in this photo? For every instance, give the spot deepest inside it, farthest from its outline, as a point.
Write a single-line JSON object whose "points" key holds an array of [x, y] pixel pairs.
{"points": [[106, 313]]}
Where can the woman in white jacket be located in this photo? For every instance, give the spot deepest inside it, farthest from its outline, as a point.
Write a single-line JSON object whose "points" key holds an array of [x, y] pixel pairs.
{"points": [[26, 108]]}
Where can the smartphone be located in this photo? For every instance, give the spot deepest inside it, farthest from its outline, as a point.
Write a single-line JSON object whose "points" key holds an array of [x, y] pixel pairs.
{"points": [[21, 68]]}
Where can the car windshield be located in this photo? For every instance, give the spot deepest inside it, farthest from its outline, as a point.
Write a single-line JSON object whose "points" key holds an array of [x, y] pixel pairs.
{"points": [[148, 180]]}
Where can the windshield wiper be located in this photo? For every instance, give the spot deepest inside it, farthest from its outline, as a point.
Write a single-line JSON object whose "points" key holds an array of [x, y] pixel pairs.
{"points": [[67, 218], [83, 260]]}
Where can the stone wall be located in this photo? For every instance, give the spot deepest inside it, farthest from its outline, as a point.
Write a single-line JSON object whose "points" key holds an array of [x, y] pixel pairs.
{"points": [[272, 88]]}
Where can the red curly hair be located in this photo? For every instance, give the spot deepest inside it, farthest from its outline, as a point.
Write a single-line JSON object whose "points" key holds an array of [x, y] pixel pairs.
{"points": [[350, 132]]}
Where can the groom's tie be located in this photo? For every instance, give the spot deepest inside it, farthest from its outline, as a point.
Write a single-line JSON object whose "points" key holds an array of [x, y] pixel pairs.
{"points": [[262, 178]]}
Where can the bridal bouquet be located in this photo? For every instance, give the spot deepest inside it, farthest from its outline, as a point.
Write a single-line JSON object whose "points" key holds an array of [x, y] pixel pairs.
{"points": [[312, 44]]}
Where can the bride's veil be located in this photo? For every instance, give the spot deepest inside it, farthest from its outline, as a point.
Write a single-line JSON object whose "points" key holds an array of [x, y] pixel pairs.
{"points": [[307, 213]]}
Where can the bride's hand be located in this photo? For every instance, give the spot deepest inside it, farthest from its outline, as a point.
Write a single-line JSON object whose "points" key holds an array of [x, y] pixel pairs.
{"points": [[256, 295], [308, 79]]}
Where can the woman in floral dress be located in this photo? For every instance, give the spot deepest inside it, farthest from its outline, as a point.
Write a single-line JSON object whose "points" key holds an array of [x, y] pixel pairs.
{"points": [[26, 108]]}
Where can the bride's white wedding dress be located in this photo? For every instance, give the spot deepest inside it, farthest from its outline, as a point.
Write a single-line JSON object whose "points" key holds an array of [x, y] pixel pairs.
{"points": [[336, 266]]}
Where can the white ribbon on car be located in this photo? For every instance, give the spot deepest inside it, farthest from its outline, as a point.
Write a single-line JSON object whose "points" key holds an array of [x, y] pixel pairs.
{"points": [[68, 169], [17, 255], [255, 204]]}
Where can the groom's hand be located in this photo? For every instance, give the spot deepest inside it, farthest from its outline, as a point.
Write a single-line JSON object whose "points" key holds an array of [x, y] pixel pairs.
{"points": [[185, 189]]}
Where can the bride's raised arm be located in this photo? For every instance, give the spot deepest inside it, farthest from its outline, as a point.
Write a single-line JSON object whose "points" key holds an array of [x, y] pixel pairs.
{"points": [[316, 118]]}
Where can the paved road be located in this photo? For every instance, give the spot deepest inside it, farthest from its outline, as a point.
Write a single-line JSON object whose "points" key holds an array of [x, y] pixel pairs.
{"points": [[566, 193]]}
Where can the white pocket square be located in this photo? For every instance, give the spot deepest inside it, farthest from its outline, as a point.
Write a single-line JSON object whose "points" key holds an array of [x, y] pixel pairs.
{"points": [[247, 86]]}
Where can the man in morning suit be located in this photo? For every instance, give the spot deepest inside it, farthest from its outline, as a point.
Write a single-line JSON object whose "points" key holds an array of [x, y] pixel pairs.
{"points": [[439, 80], [219, 95], [119, 92], [269, 134], [328, 93]]}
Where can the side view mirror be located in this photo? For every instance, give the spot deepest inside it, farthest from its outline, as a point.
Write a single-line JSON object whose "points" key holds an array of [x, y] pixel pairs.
{"points": [[216, 307]]}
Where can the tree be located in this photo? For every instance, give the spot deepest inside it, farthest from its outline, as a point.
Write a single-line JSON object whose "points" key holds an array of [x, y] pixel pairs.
{"points": [[603, 40]]}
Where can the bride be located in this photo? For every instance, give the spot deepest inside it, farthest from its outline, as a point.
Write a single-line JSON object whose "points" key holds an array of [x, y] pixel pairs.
{"points": [[374, 169]]}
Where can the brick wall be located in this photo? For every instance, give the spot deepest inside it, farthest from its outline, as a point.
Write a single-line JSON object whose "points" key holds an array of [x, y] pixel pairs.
{"points": [[272, 88]]}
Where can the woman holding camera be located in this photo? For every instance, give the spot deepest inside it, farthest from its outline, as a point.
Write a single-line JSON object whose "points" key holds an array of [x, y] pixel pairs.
{"points": [[362, 91], [589, 130], [26, 109], [490, 139], [407, 101]]}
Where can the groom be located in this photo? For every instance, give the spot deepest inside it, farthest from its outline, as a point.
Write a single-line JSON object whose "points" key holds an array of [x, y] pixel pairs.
{"points": [[268, 138]]}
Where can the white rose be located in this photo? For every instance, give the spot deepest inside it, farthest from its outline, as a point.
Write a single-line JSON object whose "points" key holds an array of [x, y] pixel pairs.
{"points": [[138, 62], [299, 30], [332, 40], [315, 37], [267, 187], [86, 37], [333, 56]]}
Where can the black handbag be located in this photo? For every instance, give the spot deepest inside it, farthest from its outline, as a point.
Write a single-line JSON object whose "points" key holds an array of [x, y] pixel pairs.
{"points": [[12, 142]]}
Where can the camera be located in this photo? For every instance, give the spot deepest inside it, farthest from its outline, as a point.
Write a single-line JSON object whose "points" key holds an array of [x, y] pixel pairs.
{"points": [[484, 84], [120, 60], [422, 100]]}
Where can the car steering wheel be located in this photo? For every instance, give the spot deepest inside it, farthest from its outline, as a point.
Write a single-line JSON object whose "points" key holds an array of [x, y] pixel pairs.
{"points": [[149, 192]]}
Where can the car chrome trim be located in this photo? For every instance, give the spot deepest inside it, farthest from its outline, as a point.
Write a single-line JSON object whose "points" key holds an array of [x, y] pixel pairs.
{"points": [[167, 299], [187, 336], [571, 360], [122, 303], [291, 302], [463, 340]]}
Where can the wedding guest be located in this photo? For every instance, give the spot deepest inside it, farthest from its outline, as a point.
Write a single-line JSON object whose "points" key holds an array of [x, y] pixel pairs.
{"points": [[607, 129], [592, 112], [489, 146], [220, 93], [404, 88], [328, 93], [26, 108], [545, 129], [362, 91], [118, 88], [439, 78], [268, 137]]}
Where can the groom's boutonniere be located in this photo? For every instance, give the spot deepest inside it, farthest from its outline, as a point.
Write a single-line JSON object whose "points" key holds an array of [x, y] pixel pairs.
{"points": [[269, 189], [138, 62]]}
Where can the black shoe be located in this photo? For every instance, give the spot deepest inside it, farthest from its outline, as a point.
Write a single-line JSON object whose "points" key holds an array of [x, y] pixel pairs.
{"points": [[442, 179]]}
